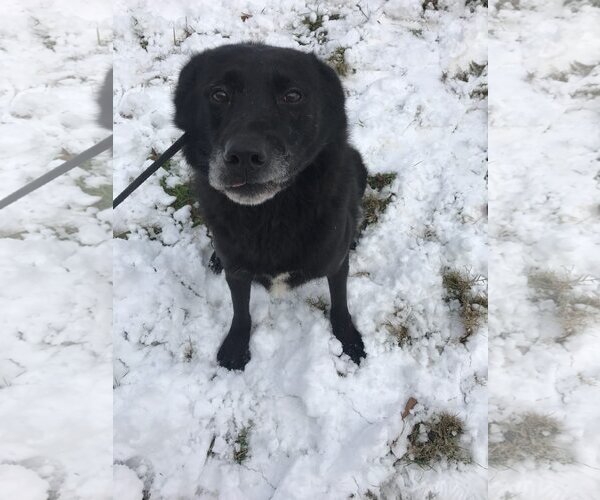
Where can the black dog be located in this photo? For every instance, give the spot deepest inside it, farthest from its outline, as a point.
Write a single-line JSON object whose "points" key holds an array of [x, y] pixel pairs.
{"points": [[278, 184]]}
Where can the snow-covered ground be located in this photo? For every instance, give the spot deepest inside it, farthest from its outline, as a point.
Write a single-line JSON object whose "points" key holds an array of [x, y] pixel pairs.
{"points": [[312, 425], [300, 422], [544, 246], [55, 255]]}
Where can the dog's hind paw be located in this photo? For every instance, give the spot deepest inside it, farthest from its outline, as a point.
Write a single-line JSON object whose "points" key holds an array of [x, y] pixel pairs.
{"points": [[214, 264]]}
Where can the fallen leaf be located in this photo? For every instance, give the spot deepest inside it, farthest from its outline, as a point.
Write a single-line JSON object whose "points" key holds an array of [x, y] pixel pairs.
{"points": [[410, 404]]}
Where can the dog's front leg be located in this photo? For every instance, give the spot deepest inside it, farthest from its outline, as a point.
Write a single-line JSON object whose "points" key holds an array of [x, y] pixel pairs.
{"points": [[341, 322], [235, 351]]}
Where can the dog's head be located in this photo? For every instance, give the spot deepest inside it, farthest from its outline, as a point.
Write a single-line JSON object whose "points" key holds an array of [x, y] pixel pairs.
{"points": [[256, 116]]}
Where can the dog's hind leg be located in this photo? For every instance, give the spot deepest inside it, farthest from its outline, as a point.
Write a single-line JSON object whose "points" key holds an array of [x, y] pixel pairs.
{"points": [[234, 353], [341, 322]]}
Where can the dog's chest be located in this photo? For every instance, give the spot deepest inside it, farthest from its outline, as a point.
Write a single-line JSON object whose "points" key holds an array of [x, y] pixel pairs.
{"points": [[273, 243]]}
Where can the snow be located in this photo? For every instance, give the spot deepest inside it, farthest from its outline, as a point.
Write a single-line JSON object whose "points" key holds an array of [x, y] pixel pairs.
{"points": [[128, 485], [319, 427], [543, 217], [316, 425], [55, 255], [21, 482]]}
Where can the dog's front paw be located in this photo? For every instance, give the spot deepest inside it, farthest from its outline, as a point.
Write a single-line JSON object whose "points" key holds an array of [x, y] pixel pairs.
{"points": [[351, 339], [234, 353], [355, 348]]}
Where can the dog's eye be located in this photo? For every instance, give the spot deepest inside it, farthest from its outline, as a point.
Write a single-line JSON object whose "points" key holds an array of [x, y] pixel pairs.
{"points": [[292, 96], [219, 95]]}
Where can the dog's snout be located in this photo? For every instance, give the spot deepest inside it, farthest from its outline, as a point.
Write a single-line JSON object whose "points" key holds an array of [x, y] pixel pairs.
{"points": [[246, 152]]}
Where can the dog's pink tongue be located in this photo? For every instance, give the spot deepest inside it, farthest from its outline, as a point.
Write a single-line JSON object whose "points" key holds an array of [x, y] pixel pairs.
{"points": [[238, 184]]}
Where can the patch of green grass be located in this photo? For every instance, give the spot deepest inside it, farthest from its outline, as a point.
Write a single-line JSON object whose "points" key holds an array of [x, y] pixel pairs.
{"points": [[399, 331], [582, 69], [122, 235], [182, 192], [153, 232], [435, 440], [337, 61], [473, 306], [318, 303], [575, 5], [576, 69], [429, 234], [373, 207], [574, 309], [559, 76], [430, 4], [590, 91], [184, 195], [138, 31], [380, 181], [397, 327], [475, 70], [473, 4], [376, 201], [313, 23], [550, 285], [241, 447], [65, 232], [527, 436], [104, 192], [19, 235], [479, 92], [463, 76]]}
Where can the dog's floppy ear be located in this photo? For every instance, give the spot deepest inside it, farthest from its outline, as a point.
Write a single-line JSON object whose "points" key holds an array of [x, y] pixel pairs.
{"points": [[185, 94]]}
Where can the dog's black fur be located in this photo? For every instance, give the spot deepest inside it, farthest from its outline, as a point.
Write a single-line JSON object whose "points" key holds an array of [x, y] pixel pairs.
{"points": [[278, 184]]}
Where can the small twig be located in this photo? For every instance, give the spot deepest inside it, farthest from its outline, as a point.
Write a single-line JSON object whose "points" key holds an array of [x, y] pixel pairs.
{"points": [[362, 11]]}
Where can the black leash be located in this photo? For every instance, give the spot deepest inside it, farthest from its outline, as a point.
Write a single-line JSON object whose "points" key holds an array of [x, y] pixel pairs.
{"points": [[150, 170], [87, 155], [55, 172], [214, 264]]}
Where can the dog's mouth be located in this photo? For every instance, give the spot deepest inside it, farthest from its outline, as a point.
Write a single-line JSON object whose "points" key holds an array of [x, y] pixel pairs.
{"points": [[236, 185], [249, 193]]}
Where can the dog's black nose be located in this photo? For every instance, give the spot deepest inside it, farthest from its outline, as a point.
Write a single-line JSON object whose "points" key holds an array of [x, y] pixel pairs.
{"points": [[245, 152]]}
